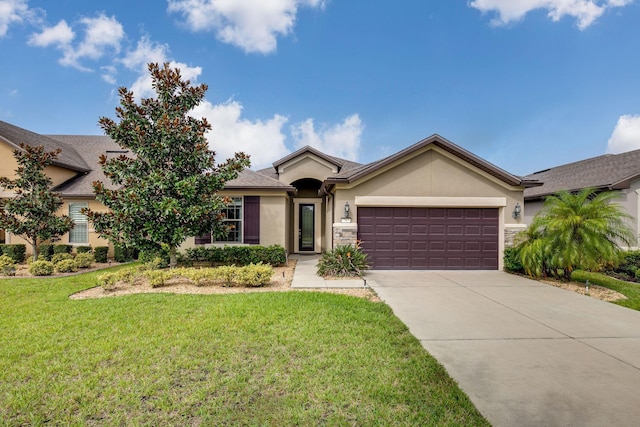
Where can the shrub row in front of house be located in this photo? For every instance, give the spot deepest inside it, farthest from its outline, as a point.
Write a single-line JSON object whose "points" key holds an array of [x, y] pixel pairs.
{"points": [[274, 255], [252, 275], [16, 252]]}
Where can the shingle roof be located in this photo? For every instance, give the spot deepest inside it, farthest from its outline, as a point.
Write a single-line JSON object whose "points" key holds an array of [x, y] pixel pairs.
{"points": [[343, 164], [610, 171], [248, 179], [68, 158], [90, 148]]}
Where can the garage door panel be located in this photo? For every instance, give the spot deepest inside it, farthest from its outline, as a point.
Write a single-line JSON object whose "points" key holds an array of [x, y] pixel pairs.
{"points": [[429, 238]]}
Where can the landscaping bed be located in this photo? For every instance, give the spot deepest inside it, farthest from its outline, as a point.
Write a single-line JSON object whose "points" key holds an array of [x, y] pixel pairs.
{"points": [[280, 281]]}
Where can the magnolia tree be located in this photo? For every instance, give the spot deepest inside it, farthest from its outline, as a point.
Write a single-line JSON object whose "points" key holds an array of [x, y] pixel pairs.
{"points": [[31, 213], [166, 188]]}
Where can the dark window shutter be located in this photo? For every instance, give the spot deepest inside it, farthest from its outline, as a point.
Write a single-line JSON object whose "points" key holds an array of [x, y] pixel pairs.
{"points": [[205, 239], [252, 220]]}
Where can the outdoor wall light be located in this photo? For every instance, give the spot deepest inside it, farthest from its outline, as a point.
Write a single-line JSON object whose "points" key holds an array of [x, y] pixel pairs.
{"points": [[517, 210], [346, 209]]}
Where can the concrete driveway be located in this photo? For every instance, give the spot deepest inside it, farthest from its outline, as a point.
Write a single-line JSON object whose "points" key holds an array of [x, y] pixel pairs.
{"points": [[527, 354]]}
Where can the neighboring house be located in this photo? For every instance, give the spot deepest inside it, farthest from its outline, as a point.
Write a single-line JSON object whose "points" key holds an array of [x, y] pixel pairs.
{"points": [[608, 172], [432, 205], [72, 174]]}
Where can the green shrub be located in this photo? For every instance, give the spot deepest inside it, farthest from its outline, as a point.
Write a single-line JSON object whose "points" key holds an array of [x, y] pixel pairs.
{"points": [[156, 278], [343, 261], [120, 254], [512, 261], [108, 281], [274, 255], [85, 259], [60, 256], [253, 275], [45, 250], [100, 253], [16, 252], [7, 266], [83, 249], [62, 249], [41, 268], [66, 266], [152, 256]]}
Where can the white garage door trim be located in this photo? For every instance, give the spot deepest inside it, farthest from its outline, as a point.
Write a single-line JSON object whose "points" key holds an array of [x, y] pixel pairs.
{"points": [[431, 202]]}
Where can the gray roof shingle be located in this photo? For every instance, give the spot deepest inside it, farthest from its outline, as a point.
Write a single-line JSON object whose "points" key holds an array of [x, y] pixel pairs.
{"points": [[69, 158], [90, 148], [610, 171]]}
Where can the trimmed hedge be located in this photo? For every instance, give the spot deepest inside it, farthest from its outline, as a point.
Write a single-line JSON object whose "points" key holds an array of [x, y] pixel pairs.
{"points": [[124, 254], [83, 249], [62, 249], [15, 251], [274, 255], [46, 250], [100, 253]]}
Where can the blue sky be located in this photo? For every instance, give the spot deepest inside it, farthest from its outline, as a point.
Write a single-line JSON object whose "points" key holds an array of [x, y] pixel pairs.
{"points": [[525, 84]]}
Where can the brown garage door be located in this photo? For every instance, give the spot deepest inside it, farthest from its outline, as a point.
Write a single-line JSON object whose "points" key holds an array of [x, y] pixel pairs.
{"points": [[429, 238]]}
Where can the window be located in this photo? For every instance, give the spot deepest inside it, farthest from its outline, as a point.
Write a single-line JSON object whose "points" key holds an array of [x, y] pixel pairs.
{"points": [[233, 221], [80, 231]]}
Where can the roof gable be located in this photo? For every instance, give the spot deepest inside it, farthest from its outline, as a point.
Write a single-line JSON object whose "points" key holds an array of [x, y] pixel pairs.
{"points": [[364, 171], [68, 158]]}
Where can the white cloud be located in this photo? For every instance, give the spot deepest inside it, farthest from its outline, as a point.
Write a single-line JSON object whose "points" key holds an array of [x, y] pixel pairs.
{"points": [[59, 35], [147, 51], [341, 140], [252, 25], [626, 135], [12, 11], [102, 35], [584, 11], [263, 140]]}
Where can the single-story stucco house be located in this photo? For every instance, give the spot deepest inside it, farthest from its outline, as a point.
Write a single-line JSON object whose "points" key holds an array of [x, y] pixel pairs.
{"points": [[607, 172], [433, 205]]}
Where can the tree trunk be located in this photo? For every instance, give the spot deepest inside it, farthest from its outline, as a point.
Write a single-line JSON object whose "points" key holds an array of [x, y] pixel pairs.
{"points": [[173, 257], [34, 248]]}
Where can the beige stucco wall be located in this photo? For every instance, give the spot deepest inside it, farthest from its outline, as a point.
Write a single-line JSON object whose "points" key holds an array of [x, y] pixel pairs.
{"points": [[94, 239], [430, 173], [9, 165], [274, 218], [306, 166]]}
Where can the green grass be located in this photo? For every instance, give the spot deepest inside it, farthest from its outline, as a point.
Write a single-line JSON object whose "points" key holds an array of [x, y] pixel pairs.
{"points": [[628, 289], [288, 358]]}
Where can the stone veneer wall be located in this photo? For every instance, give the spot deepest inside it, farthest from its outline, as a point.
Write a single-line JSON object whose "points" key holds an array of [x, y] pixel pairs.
{"points": [[510, 233], [345, 233]]}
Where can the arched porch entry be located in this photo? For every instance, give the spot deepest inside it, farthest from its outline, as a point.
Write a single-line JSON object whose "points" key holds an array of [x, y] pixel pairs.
{"points": [[308, 216]]}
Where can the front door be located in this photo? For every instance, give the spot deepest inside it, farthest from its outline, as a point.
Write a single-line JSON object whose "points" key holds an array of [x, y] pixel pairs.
{"points": [[307, 226]]}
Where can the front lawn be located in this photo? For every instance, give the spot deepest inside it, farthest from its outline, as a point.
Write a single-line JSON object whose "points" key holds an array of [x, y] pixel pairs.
{"points": [[628, 289], [287, 358]]}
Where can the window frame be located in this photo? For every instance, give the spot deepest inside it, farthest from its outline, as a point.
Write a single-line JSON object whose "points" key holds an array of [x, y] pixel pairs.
{"points": [[78, 219]]}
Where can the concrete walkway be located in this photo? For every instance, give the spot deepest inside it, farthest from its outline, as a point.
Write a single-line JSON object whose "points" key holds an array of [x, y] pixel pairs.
{"points": [[527, 354], [305, 275]]}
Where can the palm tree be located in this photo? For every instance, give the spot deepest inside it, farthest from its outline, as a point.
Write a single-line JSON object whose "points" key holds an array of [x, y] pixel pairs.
{"points": [[576, 230]]}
